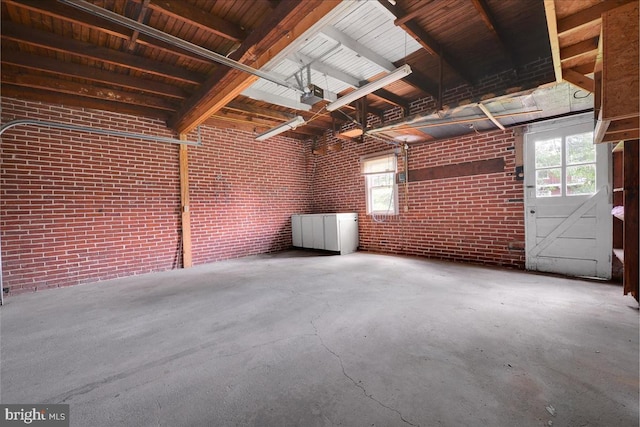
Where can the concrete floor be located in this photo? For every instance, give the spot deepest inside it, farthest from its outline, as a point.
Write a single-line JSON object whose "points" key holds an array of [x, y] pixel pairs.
{"points": [[299, 339]]}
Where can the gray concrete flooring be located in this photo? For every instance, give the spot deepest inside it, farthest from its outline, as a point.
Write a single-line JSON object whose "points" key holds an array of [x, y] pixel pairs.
{"points": [[301, 339]]}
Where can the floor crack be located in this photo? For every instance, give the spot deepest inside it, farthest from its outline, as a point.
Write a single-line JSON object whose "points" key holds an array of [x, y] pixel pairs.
{"points": [[358, 384], [160, 408]]}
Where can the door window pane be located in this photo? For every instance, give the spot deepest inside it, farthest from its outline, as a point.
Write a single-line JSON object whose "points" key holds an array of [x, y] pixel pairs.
{"points": [[549, 153], [549, 182], [581, 149], [566, 166], [581, 179]]}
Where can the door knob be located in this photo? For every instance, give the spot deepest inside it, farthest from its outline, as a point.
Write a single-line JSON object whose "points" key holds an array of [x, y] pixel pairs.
{"points": [[532, 211]]}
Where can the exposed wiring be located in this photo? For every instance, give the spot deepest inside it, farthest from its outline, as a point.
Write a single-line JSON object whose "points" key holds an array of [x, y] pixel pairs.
{"points": [[581, 97]]}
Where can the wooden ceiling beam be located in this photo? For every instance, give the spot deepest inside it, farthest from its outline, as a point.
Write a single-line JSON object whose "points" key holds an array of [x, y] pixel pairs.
{"points": [[233, 115], [413, 14], [581, 48], [73, 88], [487, 17], [193, 15], [392, 99], [230, 121], [85, 72], [252, 109], [579, 80], [586, 16], [552, 28], [68, 100], [142, 13], [72, 15], [586, 68], [54, 42], [428, 42], [422, 82], [288, 21]]}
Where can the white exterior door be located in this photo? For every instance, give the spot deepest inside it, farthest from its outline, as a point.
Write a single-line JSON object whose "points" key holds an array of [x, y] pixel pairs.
{"points": [[567, 199]]}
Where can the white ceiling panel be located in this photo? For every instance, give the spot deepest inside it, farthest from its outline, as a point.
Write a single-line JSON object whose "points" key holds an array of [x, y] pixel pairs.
{"points": [[367, 43]]}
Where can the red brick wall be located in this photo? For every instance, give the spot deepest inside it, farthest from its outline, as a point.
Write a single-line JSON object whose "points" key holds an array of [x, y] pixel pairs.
{"points": [[243, 193], [79, 207], [463, 218]]}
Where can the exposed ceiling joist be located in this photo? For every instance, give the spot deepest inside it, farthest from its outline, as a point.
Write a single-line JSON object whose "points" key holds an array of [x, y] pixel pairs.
{"points": [[205, 21], [142, 13], [91, 91], [578, 79], [50, 97], [552, 27], [586, 16], [487, 17], [67, 69], [252, 109], [290, 17], [152, 58], [271, 98], [46, 40], [426, 41], [392, 98], [411, 15], [422, 82], [65, 13], [585, 47]]}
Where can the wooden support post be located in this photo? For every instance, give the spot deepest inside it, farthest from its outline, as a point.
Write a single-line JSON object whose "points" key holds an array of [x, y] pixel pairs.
{"points": [[631, 212], [440, 80], [184, 204]]}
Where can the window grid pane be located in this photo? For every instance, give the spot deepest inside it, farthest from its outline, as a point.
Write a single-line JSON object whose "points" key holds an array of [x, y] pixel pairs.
{"points": [[380, 184], [548, 153], [565, 166], [581, 180], [580, 149], [549, 182]]}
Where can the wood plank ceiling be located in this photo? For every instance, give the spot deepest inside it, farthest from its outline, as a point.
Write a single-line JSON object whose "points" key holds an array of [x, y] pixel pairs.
{"points": [[574, 31], [56, 53]]}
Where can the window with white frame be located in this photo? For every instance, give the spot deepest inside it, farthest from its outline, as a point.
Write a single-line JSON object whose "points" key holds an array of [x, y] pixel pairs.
{"points": [[565, 165], [380, 182]]}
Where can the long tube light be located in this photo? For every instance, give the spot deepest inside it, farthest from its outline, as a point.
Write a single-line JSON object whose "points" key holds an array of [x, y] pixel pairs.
{"points": [[393, 76], [291, 124]]}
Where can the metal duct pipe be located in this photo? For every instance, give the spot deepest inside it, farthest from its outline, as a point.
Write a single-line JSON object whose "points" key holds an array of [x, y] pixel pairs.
{"points": [[108, 132], [175, 41]]}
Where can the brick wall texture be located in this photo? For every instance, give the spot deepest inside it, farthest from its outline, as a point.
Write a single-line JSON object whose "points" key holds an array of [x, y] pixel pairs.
{"points": [[79, 207], [471, 218]]}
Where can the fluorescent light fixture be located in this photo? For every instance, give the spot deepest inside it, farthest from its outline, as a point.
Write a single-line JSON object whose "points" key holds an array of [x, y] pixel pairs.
{"points": [[291, 124], [393, 76]]}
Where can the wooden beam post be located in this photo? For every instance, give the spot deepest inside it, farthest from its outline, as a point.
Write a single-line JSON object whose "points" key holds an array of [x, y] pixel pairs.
{"points": [[552, 24], [631, 213], [184, 204]]}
